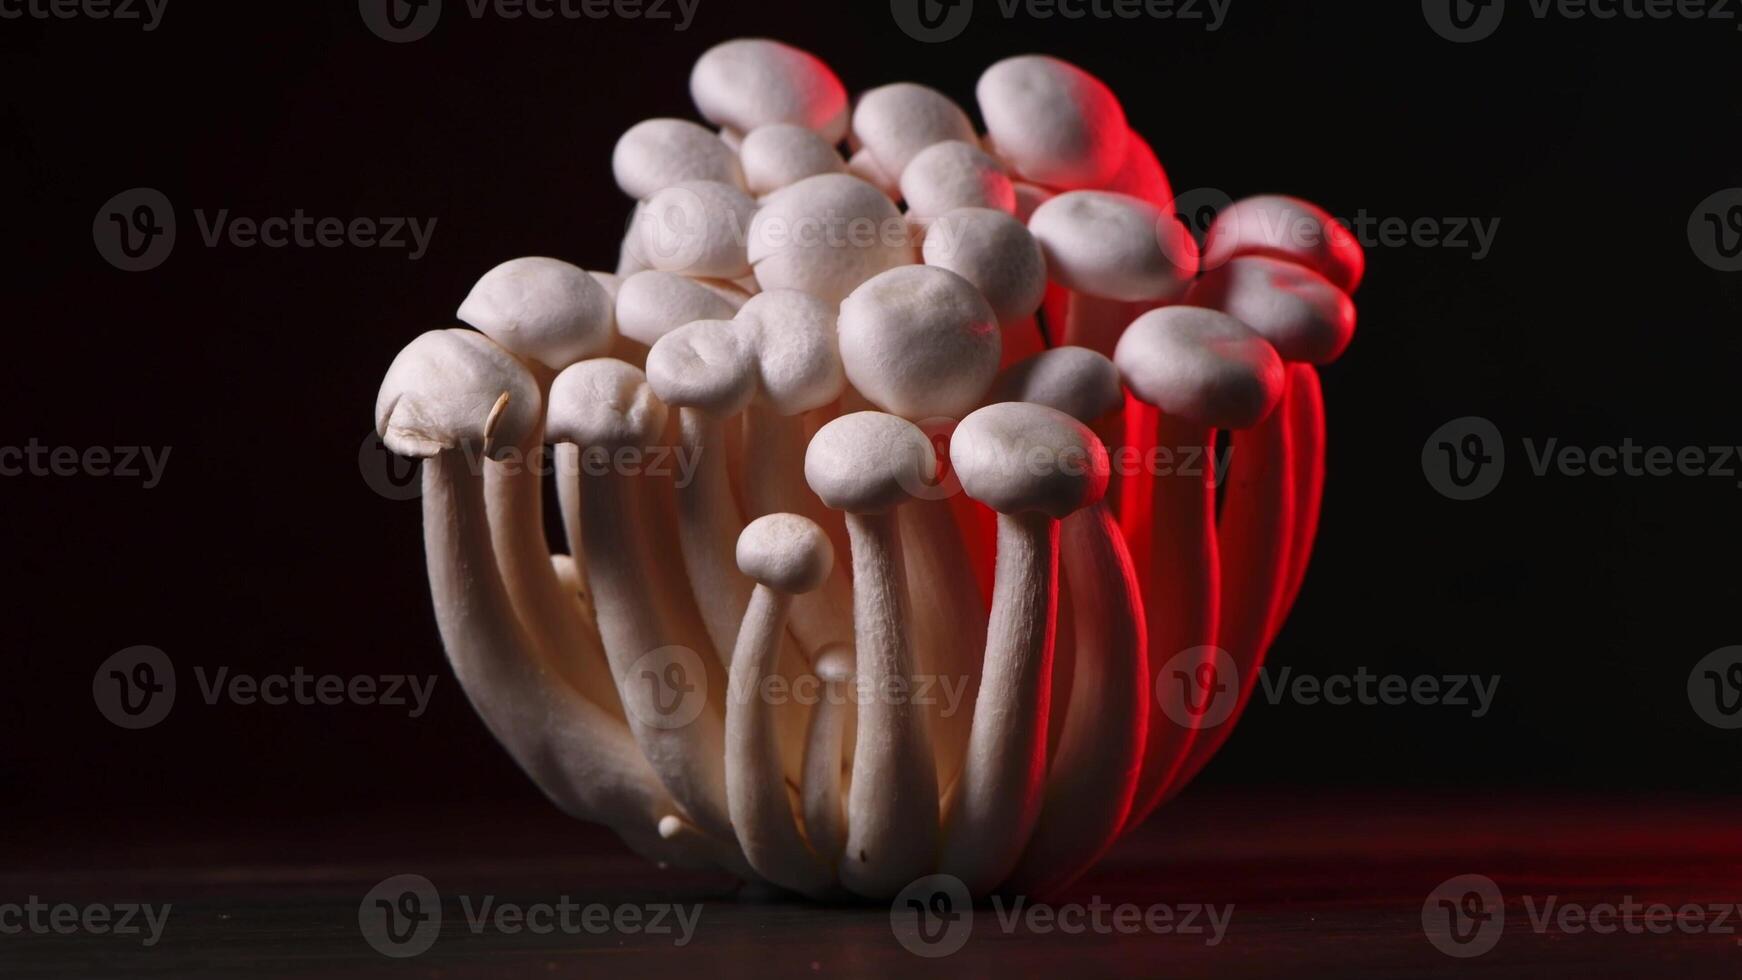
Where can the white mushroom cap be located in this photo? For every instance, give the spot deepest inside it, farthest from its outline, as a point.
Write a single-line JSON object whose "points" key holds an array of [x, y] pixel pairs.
{"points": [[1287, 228], [1052, 122], [1077, 381], [1114, 246], [779, 154], [751, 82], [604, 403], [798, 356], [869, 462], [825, 235], [920, 341], [652, 304], [994, 252], [953, 174], [894, 122], [542, 309], [786, 552], [1201, 365], [1017, 457], [834, 665], [657, 153], [703, 365], [453, 389], [1303, 314], [865, 167], [696, 227]]}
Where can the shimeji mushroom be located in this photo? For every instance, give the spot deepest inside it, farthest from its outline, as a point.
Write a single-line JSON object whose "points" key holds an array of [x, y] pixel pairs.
{"points": [[825, 235], [652, 304], [997, 254], [893, 123], [825, 814], [1034, 466], [449, 396], [867, 464], [697, 228], [1052, 122], [550, 314], [1094, 772], [779, 154], [1189, 371], [787, 555], [953, 174], [1290, 229], [606, 406], [922, 343], [657, 153], [749, 82]]}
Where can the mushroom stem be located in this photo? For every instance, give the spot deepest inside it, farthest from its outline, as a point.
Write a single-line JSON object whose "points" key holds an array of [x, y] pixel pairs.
{"points": [[687, 757], [1256, 535], [755, 785], [566, 461], [1305, 405], [998, 799], [1170, 521], [892, 806], [825, 815], [577, 754], [949, 631], [513, 494], [708, 525], [1100, 755]]}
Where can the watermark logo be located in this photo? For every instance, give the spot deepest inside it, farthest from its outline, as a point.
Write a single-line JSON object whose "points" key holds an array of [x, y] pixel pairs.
{"points": [[1715, 688], [135, 688], [1464, 21], [1465, 458], [389, 474], [35, 459], [401, 917], [1198, 209], [932, 21], [1199, 688], [1715, 230], [40, 918], [667, 688], [400, 21], [147, 13], [933, 917], [135, 230], [1465, 916]]}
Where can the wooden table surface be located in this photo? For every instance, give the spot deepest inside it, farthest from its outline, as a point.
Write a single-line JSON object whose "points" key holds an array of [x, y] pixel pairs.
{"points": [[1329, 885]]}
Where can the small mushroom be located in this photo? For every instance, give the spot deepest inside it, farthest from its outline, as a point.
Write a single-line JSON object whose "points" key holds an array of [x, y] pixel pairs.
{"points": [[1034, 466], [750, 82], [657, 153], [954, 174], [1291, 229], [867, 464], [1190, 372], [652, 304], [780, 154], [786, 555], [919, 341], [697, 228], [893, 123], [1052, 122], [825, 235]]}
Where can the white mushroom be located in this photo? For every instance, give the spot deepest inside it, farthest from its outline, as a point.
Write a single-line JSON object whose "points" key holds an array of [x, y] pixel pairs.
{"points": [[786, 555], [867, 464], [542, 309], [605, 406], [750, 82], [779, 154], [919, 341], [893, 123], [1190, 371], [1287, 228], [996, 254], [1033, 465], [1094, 771], [652, 304], [953, 174], [825, 235], [1052, 122], [825, 814], [657, 153], [697, 228], [449, 394], [1114, 246]]}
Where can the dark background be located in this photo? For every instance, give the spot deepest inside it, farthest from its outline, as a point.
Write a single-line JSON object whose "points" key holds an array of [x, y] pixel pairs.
{"points": [[264, 548]]}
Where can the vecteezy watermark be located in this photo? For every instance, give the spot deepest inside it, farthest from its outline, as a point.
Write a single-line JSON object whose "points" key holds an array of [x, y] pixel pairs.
{"points": [[114, 462], [135, 231], [402, 21], [935, 21], [934, 917], [146, 13], [136, 688], [37, 917], [946, 693], [1466, 21], [1465, 917], [1199, 207], [1199, 688], [1465, 458], [396, 477], [1715, 230], [1715, 688], [401, 917]]}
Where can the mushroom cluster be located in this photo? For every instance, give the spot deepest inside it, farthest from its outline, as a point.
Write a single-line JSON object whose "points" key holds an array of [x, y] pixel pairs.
{"points": [[888, 476]]}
